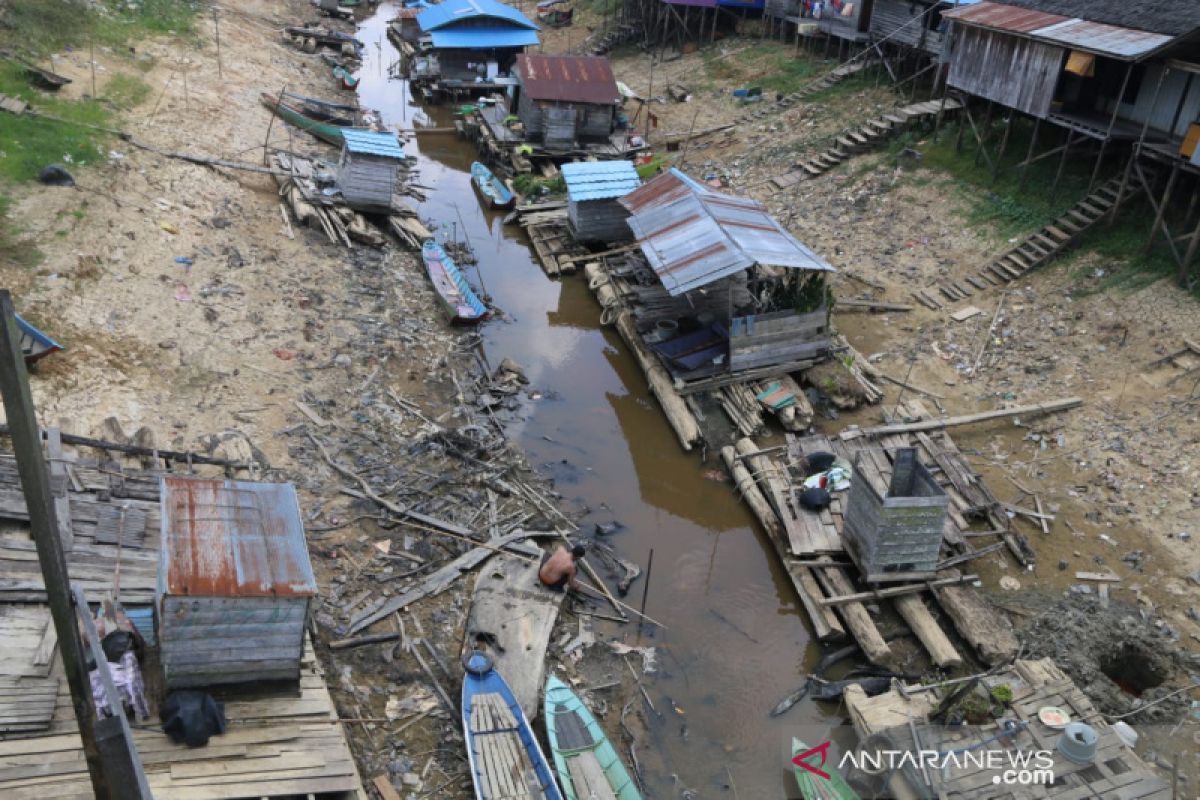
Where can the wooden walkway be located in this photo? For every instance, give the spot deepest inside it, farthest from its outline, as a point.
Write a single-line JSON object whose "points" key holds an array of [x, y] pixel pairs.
{"points": [[862, 138], [275, 746], [827, 81], [1040, 247]]}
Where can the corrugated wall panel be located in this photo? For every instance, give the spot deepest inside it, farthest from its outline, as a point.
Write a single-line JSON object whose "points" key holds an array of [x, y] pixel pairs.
{"points": [[1162, 111], [1015, 72]]}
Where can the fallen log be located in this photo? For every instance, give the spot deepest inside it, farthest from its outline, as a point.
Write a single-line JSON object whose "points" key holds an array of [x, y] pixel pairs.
{"points": [[966, 419], [134, 450]]}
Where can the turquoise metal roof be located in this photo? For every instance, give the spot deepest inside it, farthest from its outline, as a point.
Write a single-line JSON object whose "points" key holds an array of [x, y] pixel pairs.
{"points": [[374, 143], [483, 38], [599, 180], [452, 11]]}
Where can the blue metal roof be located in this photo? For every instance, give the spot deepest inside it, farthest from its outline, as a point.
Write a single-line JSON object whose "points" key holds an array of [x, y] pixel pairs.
{"points": [[374, 143], [453, 11], [599, 180], [483, 38]]}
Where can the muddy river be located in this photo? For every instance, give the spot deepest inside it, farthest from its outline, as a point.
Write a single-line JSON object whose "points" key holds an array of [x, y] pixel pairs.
{"points": [[736, 640]]}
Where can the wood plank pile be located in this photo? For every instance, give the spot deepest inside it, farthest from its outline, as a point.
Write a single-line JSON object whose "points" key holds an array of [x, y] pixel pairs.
{"points": [[1115, 771], [275, 746], [862, 138], [810, 545], [556, 249], [1037, 249]]}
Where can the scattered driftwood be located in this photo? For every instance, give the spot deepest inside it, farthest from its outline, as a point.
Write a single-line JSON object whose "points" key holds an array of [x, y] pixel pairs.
{"points": [[966, 419], [135, 450], [873, 305]]}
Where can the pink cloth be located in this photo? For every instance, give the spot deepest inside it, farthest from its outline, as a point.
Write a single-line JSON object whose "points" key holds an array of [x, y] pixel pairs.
{"points": [[127, 677]]}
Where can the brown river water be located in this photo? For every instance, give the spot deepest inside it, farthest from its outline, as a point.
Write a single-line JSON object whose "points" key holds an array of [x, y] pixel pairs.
{"points": [[737, 641]]}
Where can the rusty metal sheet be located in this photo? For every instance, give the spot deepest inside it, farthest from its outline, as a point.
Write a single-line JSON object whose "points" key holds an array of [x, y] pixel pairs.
{"points": [[693, 236], [233, 539], [1073, 32], [568, 79]]}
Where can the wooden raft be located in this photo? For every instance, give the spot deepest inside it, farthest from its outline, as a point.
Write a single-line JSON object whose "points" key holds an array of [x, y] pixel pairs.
{"points": [[507, 773], [276, 746]]}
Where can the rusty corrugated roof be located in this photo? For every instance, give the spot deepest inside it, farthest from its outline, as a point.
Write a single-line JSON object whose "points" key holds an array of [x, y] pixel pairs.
{"points": [[578, 79], [692, 236], [233, 539], [1075, 33]]}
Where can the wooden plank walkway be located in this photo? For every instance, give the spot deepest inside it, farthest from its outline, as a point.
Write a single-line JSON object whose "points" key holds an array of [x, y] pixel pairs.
{"points": [[276, 746]]}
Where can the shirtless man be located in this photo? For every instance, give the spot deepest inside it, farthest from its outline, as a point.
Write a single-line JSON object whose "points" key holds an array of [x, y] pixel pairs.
{"points": [[558, 570]]}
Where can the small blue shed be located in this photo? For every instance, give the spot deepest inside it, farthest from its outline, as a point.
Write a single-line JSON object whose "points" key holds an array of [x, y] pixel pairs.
{"points": [[369, 169], [593, 188], [474, 41]]}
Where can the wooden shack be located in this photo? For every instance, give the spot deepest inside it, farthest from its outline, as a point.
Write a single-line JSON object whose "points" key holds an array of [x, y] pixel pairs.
{"points": [[564, 99], [593, 187], [913, 23], [369, 169], [726, 288], [234, 582], [468, 46], [894, 532]]}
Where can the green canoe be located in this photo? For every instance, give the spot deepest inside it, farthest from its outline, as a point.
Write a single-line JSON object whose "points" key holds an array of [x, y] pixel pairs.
{"points": [[587, 764], [813, 786]]}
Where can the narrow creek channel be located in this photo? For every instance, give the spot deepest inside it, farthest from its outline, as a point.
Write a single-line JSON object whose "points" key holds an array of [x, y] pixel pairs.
{"points": [[736, 641]]}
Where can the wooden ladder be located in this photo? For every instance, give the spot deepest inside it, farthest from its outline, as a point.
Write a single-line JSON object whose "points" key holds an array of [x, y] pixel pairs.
{"points": [[831, 78], [1042, 246]]}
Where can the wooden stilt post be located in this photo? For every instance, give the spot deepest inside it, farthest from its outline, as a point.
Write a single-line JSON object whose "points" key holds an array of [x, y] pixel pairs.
{"points": [[981, 135], [1112, 121], [43, 524], [1193, 246], [1161, 212], [1033, 138], [958, 136], [1008, 126], [937, 123], [716, 13], [1062, 161]]}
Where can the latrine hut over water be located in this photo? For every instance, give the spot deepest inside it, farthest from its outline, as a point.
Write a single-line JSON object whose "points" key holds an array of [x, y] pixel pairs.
{"points": [[593, 188], [369, 168], [729, 291]]}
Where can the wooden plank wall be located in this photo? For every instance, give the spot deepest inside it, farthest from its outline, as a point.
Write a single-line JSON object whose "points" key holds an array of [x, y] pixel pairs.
{"points": [[1017, 73]]}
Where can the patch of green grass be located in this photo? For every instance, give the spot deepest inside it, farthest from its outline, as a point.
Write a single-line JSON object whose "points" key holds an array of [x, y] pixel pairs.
{"points": [[1014, 207], [29, 143], [125, 91], [38, 27], [768, 66], [858, 82], [15, 252]]}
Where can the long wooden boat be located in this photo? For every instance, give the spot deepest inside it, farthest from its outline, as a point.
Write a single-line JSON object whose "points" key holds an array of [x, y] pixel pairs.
{"points": [[813, 786], [327, 131], [35, 345], [505, 759], [587, 764], [491, 188], [456, 296]]}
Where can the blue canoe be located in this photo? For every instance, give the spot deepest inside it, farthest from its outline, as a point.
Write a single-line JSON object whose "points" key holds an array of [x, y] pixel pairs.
{"points": [[456, 296], [35, 344], [492, 188], [505, 758]]}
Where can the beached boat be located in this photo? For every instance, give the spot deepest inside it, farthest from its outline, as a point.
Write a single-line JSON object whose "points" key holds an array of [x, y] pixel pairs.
{"points": [[326, 130], [815, 787], [492, 188], [345, 79], [458, 299], [44, 78], [35, 344], [505, 758], [587, 763]]}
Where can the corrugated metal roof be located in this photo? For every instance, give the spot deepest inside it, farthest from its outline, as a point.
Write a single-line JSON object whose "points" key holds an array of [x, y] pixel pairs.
{"points": [[581, 79], [483, 38], [233, 539], [375, 143], [452, 11], [599, 180], [1076, 33], [693, 236]]}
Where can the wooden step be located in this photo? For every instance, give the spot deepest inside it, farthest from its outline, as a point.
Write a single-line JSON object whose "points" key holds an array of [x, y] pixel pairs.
{"points": [[895, 120], [1084, 220], [978, 284], [1090, 210], [857, 137], [1048, 244], [1057, 233], [1072, 227], [847, 143], [1001, 275], [1100, 201]]}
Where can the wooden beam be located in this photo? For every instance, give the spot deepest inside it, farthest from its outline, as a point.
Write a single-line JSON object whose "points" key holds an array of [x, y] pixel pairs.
{"points": [[965, 419], [893, 591]]}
